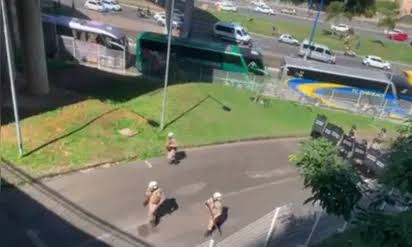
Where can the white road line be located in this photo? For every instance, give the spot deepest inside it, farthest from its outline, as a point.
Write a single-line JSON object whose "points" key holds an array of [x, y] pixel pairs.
{"points": [[272, 226], [148, 164], [261, 186], [35, 239]]}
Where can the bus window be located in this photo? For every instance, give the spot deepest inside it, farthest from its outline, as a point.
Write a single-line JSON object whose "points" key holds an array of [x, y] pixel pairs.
{"points": [[64, 31]]}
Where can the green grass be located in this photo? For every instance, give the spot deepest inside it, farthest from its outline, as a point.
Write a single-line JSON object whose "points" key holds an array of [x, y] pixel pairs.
{"points": [[353, 238], [85, 133], [394, 51]]}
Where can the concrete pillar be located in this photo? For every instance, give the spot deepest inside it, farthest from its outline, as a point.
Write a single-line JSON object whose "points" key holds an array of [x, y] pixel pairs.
{"points": [[187, 24], [31, 37]]}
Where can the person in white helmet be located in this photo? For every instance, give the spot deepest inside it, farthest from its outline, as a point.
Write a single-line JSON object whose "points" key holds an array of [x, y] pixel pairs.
{"points": [[154, 197], [171, 148], [215, 207]]}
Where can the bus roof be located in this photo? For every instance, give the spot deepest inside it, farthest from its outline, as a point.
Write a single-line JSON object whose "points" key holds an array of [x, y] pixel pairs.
{"points": [[366, 74], [201, 44], [85, 25]]}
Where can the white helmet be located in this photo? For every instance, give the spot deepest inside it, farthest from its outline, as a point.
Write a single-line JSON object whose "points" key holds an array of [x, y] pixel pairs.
{"points": [[170, 135], [153, 184], [217, 196]]}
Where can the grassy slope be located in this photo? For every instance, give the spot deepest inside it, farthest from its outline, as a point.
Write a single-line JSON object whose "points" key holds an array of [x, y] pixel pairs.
{"points": [[76, 138], [395, 51]]}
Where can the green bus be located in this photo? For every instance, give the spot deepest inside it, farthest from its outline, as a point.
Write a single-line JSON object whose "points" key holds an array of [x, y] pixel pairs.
{"points": [[196, 60]]}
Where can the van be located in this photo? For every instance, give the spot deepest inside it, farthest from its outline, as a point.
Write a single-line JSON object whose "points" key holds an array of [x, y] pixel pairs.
{"points": [[317, 52], [233, 32]]}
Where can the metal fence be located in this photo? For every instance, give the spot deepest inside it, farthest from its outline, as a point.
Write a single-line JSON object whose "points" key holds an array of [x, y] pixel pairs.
{"points": [[86, 53]]}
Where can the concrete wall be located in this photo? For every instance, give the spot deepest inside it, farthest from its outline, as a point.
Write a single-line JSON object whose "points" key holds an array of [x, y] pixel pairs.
{"points": [[31, 37]]}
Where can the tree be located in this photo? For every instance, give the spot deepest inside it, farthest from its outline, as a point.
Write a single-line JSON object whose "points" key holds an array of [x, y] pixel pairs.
{"points": [[333, 182], [398, 173], [388, 21], [335, 11]]}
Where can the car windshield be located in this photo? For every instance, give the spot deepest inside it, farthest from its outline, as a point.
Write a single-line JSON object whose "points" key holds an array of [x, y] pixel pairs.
{"points": [[243, 31]]}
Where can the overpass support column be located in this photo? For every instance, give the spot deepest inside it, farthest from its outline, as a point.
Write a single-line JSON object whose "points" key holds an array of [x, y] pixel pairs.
{"points": [[188, 13], [31, 36]]}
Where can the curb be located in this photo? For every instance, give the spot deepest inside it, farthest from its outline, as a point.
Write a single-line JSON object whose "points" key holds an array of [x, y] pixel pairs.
{"points": [[133, 158]]}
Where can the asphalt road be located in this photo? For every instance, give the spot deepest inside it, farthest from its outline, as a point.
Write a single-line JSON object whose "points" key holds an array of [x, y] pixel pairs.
{"points": [[102, 206], [270, 47]]}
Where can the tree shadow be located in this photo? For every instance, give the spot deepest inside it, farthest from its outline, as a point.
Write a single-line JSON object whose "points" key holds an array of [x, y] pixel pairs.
{"points": [[26, 221], [88, 123]]}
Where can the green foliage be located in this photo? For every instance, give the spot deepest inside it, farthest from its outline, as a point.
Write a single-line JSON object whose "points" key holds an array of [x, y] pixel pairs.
{"points": [[388, 21], [359, 7], [335, 10], [333, 182], [399, 170], [386, 230]]}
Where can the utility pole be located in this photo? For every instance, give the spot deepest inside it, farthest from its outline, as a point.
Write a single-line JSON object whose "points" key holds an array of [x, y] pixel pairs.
{"points": [[166, 81], [11, 77]]}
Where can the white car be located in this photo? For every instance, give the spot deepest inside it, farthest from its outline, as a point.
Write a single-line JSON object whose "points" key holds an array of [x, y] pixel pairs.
{"points": [[288, 11], [176, 14], [94, 5], [377, 62], [264, 9], [226, 6], [161, 20], [111, 5], [288, 39], [340, 28]]}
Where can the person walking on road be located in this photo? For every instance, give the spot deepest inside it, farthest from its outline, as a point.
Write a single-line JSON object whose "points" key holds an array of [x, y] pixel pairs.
{"points": [[154, 197], [353, 132], [215, 209], [171, 148]]}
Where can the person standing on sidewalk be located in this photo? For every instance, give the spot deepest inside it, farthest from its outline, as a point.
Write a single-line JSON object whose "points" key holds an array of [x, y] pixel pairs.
{"points": [[154, 197], [215, 208], [171, 148]]}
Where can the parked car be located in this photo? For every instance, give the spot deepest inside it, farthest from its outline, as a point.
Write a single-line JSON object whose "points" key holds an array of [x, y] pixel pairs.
{"points": [[316, 52], [397, 34], [340, 28], [264, 9], [288, 11], [226, 6], [112, 5], [288, 39], [95, 5], [233, 32], [377, 62]]}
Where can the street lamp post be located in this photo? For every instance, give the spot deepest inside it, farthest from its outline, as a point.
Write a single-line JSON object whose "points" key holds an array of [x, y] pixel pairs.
{"points": [[313, 31], [166, 80], [11, 76]]}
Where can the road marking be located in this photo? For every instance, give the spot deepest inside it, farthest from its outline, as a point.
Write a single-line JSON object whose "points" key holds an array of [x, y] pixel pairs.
{"points": [[148, 164], [282, 181], [35, 239], [272, 226]]}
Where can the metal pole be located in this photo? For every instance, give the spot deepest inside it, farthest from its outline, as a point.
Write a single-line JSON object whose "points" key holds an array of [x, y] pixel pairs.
{"points": [[11, 78], [212, 243], [169, 41], [313, 31]]}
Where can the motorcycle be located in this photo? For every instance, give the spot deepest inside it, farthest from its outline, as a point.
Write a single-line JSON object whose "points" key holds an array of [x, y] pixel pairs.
{"points": [[142, 13]]}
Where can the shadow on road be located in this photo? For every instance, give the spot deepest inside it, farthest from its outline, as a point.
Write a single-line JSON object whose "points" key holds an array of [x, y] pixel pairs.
{"points": [[27, 219]]}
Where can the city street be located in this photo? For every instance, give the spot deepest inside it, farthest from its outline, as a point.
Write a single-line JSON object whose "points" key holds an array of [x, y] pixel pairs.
{"points": [[103, 206], [270, 47]]}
